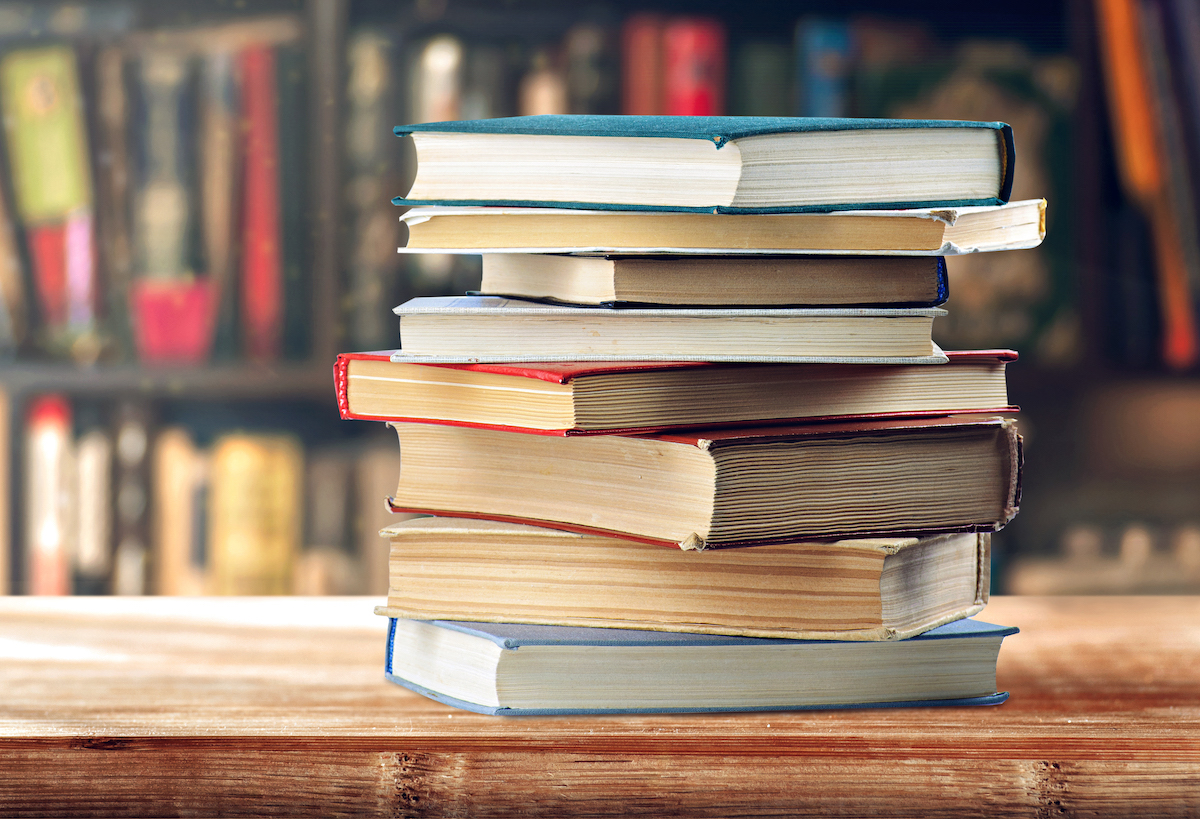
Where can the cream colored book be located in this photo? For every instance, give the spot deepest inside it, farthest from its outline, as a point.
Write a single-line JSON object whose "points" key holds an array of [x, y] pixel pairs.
{"points": [[915, 232], [871, 589]]}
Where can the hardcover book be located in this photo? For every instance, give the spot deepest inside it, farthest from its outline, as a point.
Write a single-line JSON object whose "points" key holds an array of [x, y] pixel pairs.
{"points": [[573, 398], [732, 487], [873, 589], [919, 232], [710, 163], [718, 280], [482, 328], [496, 668]]}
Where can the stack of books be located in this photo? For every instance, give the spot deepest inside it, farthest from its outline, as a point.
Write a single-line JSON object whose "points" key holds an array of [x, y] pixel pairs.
{"points": [[693, 447]]}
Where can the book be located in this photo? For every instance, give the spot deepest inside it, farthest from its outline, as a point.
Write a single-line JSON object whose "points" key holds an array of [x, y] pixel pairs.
{"points": [[48, 479], [642, 64], [693, 65], [254, 512], [881, 589], [133, 421], [496, 668], [573, 398], [914, 232], [723, 487], [717, 280], [824, 64], [92, 560], [262, 285], [760, 82], [710, 164], [179, 483], [1139, 152], [484, 328]]}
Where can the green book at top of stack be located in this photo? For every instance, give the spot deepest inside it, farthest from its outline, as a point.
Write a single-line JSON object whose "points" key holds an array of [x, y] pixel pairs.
{"points": [[711, 164]]}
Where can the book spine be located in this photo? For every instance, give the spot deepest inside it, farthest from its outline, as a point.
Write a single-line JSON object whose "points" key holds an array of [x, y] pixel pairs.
{"points": [[1142, 174], [132, 496], [642, 64], [824, 59], [341, 381], [297, 294], [48, 481], [179, 472], [694, 67], [262, 273], [254, 513], [592, 81], [219, 160], [93, 538]]}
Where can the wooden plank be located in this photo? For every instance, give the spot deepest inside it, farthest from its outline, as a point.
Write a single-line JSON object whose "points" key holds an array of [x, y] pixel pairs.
{"points": [[172, 706]]}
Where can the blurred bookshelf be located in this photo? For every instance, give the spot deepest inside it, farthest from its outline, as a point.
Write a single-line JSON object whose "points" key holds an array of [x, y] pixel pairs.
{"points": [[202, 125]]}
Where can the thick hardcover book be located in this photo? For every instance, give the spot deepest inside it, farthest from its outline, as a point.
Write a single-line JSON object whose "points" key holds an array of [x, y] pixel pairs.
{"points": [[575, 398], [711, 164], [497, 668], [732, 487], [920, 232], [894, 281], [467, 329], [872, 589]]}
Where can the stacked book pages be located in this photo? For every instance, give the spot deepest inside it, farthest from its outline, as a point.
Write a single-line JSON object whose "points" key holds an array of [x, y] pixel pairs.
{"points": [[692, 447]]}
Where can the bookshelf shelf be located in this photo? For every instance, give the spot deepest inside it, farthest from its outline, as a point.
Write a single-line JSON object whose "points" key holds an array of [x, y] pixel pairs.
{"points": [[240, 381]]}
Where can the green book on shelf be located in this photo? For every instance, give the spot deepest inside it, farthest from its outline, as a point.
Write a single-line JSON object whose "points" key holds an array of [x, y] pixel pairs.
{"points": [[711, 164]]}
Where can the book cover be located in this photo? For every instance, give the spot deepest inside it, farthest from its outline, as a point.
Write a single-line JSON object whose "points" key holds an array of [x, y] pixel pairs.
{"points": [[684, 665], [770, 394]]}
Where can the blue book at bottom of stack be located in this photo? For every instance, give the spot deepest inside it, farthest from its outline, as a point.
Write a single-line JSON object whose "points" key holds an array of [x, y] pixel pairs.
{"points": [[509, 669]]}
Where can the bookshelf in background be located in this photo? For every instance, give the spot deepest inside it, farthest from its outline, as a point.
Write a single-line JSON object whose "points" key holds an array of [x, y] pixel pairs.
{"points": [[1090, 309]]}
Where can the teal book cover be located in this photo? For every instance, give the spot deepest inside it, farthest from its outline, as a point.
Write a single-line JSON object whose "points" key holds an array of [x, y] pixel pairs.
{"points": [[721, 132]]}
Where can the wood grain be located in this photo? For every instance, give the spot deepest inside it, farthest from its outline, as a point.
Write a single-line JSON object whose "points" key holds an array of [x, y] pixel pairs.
{"points": [[171, 706]]}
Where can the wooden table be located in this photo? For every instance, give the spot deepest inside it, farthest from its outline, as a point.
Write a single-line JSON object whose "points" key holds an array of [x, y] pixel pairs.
{"points": [[174, 706]]}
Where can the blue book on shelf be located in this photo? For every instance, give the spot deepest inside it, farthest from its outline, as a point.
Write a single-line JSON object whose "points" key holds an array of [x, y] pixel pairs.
{"points": [[507, 669], [711, 164]]}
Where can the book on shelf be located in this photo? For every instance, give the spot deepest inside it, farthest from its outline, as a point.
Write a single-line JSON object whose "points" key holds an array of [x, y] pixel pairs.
{"points": [[913, 232], [717, 280], [497, 668], [824, 66], [132, 532], [710, 164], [485, 328], [93, 499], [574, 398], [487, 571], [255, 513], [48, 478], [731, 487], [177, 514], [642, 64], [693, 66]]}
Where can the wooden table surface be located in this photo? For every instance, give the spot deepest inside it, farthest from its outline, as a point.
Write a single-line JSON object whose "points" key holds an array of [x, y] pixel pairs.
{"points": [[278, 707]]}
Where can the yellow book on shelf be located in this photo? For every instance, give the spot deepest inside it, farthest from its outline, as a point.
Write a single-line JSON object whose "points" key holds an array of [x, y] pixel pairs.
{"points": [[254, 513]]}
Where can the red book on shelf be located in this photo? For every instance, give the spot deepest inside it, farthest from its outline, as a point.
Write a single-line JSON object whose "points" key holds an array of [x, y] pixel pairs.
{"points": [[641, 65], [575, 398], [47, 496], [262, 267], [694, 67], [173, 320]]}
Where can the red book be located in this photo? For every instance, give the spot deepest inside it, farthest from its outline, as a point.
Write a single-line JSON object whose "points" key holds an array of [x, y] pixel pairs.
{"points": [[48, 255], [47, 495], [262, 266], [642, 64], [694, 67], [732, 487], [575, 398]]}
